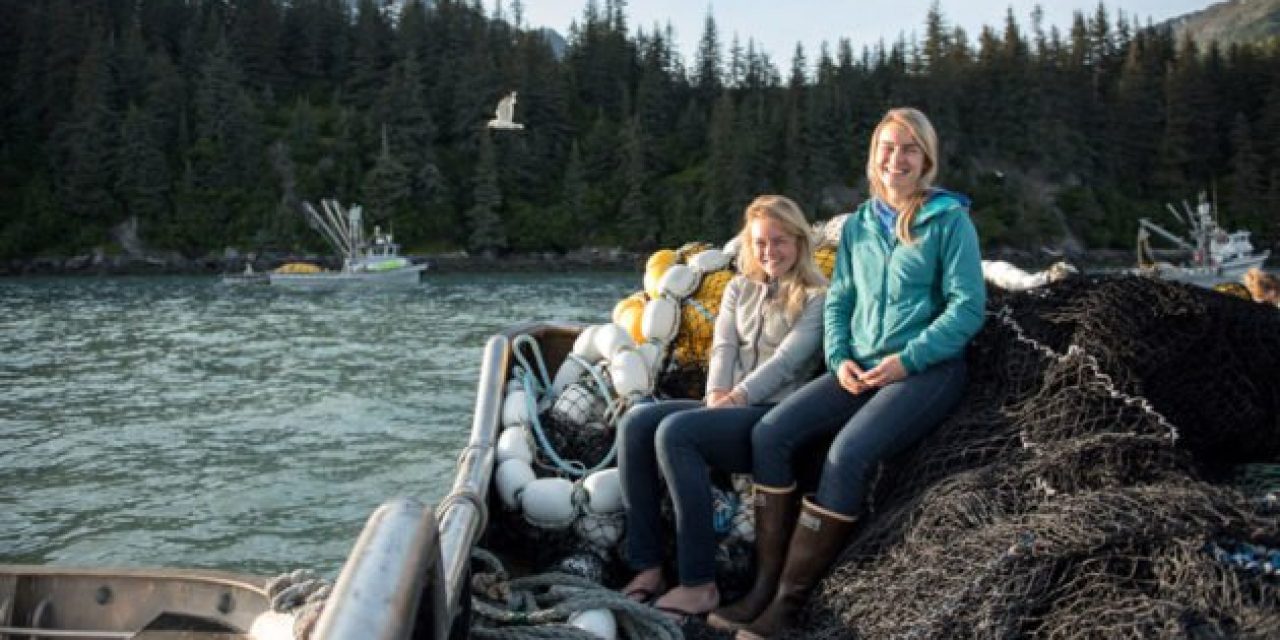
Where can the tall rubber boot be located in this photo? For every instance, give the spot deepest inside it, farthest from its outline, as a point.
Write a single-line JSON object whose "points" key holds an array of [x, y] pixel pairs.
{"points": [[775, 517], [819, 537]]}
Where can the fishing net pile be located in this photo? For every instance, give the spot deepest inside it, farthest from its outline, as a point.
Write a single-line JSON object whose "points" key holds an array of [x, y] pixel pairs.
{"points": [[1081, 488]]}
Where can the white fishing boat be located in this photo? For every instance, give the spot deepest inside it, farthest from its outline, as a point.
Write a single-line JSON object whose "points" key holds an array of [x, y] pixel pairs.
{"points": [[1215, 255], [373, 262]]}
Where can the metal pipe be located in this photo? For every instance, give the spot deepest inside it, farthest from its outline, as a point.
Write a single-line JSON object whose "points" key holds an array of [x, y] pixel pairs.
{"points": [[381, 588], [64, 633], [461, 520]]}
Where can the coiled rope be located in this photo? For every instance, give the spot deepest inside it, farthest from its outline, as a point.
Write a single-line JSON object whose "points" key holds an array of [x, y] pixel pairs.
{"points": [[535, 390], [539, 606]]}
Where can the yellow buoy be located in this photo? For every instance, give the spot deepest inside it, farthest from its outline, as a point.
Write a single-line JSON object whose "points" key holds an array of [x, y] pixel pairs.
{"points": [[628, 314], [826, 259], [698, 320], [298, 267], [655, 268]]}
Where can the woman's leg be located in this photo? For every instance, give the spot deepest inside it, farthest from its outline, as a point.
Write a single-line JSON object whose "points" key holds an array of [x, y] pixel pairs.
{"points": [[638, 473], [687, 442], [817, 409], [894, 418]]}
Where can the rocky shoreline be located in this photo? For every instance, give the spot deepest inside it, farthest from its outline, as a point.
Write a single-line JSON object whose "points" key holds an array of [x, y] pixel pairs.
{"points": [[231, 261]]}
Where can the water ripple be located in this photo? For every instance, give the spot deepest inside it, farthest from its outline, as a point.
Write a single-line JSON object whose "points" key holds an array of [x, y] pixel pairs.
{"points": [[180, 422]]}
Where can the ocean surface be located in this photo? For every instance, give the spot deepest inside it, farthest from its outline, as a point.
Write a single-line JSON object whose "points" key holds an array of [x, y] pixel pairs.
{"points": [[167, 421]]}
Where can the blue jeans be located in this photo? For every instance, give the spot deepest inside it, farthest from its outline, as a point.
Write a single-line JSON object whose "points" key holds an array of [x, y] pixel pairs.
{"points": [[681, 438], [869, 428]]}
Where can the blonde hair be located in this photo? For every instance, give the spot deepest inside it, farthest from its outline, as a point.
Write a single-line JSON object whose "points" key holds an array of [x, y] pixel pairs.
{"points": [[794, 286], [919, 127], [1263, 286]]}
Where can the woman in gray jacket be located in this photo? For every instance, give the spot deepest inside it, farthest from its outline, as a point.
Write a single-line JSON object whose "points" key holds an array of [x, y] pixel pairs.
{"points": [[764, 346]]}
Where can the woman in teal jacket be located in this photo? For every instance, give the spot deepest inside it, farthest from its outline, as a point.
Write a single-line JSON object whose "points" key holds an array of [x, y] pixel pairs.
{"points": [[906, 297]]}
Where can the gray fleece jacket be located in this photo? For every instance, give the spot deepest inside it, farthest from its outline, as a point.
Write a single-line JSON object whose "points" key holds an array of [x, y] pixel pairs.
{"points": [[755, 349]]}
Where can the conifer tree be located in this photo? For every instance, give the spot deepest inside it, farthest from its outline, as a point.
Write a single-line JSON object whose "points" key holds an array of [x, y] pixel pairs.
{"points": [[487, 235], [386, 186], [638, 221], [143, 181]]}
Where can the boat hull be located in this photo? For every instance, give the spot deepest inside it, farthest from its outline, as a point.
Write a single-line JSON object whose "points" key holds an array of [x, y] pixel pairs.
{"points": [[1210, 276], [404, 277], [120, 603]]}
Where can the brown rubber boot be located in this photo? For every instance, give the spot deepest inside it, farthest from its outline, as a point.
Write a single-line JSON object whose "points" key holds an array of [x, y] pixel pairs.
{"points": [[819, 537], [775, 517]]}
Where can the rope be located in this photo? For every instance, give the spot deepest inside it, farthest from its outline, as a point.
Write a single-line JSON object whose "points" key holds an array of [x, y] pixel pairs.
{"points": [[526, 340], [522, 373], [465, 495], [560, 596], [1101, 379]]}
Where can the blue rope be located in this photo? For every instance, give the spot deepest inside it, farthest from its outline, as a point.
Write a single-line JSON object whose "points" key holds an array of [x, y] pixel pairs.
{"points": [[530, 384]]}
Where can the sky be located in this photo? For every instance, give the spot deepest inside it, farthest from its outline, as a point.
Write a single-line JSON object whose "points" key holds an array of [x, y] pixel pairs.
{"points": [[778, 25]]}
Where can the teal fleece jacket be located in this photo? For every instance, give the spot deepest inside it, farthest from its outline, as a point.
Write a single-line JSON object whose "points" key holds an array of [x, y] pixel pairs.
{"points": [[923, 302]]}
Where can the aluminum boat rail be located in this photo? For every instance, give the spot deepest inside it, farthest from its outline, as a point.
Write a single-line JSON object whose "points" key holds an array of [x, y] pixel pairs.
{"points": [[407, 576], [391, 587]]}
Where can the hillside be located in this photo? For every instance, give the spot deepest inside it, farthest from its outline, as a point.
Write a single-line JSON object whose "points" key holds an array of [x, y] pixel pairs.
{"points": [[1233, 22]]}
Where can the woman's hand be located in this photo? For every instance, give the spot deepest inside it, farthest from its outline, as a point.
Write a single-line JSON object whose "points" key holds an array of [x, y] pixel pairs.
{"points": [[849, 375], [889, 371], [720, 398]]}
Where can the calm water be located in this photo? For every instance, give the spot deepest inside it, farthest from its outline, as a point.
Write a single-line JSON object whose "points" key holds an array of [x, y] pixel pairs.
{"points": [[182, 422]]}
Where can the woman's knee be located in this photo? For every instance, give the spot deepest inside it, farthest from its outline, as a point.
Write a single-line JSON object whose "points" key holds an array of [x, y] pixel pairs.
{"points": [[677, 430], [637, 426]]}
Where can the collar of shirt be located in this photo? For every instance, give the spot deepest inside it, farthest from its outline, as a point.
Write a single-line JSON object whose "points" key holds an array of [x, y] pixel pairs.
{"points": [[886, 214]]}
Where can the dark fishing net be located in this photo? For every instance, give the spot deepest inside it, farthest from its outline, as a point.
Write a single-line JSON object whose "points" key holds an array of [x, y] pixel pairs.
{"points": [[1080, 489]]}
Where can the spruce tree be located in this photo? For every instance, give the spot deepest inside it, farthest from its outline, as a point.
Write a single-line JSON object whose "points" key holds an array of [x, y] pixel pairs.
{"points": [[386, 186], [487, 235]]}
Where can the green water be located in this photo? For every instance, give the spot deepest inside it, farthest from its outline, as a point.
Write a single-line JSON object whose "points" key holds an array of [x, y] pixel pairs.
{"points": [[183, 422]]}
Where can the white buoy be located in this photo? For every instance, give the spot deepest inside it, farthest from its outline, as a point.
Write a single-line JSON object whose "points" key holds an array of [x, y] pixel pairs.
{"points": [[515, 408], [609, 338], [568, 373], [630, 374], [548, 503], [709, 261], [679, 282], [511, 477], [661, 320], [599, 622], [514, 444], [585, 345], [604, 491], [652, 353]]}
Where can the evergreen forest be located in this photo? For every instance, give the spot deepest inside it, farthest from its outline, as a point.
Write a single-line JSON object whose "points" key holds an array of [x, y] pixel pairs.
{"points": [[207, 122]]}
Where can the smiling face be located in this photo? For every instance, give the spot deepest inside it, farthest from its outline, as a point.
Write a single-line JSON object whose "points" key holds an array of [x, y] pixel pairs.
{"points": [[900, 160], [774, 248]]}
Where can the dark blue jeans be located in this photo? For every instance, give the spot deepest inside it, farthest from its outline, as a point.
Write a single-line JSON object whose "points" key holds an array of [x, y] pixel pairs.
{"points": [[682, 438], [869, 428]]}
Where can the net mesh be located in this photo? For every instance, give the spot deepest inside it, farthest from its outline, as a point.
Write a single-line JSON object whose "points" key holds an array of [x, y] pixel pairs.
{"points": [[1075, 489]]}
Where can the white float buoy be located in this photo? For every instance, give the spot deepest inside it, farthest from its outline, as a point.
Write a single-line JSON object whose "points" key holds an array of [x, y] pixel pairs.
{"points": [[548, 503], [568, 373], [515, 408], [604, 491], [679, 282], [514, 444], [661, 320], [599, 622], [630, 374], [585, 345], [709, 261], [609, 338], [511, 477]]}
